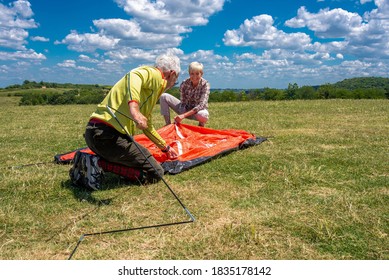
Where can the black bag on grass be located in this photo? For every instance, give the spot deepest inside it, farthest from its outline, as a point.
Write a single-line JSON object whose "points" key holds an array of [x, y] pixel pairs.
{"points": [[86, 171]]}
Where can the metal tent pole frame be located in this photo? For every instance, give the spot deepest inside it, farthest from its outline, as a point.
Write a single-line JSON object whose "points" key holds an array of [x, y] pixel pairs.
{"points": [[191, 220]]}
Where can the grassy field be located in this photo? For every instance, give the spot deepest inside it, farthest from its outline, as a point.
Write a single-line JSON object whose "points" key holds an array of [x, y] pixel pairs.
{"points": [[317, 189]]}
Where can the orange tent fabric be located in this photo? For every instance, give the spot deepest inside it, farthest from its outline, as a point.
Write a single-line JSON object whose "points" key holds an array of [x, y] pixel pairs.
{"points": [[194, 144]]}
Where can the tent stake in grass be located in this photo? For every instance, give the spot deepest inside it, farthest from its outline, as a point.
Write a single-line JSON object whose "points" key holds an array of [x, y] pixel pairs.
{"points": [[191, 220]]}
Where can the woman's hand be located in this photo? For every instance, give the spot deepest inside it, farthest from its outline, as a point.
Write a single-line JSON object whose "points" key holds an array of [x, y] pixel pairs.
{"points": [[179, 118]]}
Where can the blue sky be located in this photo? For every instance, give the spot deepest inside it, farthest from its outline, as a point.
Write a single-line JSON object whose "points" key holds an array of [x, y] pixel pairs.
{"points": [[242, 43]]}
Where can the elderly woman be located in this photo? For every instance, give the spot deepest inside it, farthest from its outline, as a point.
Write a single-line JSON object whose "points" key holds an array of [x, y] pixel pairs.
{"points": [[194, 98]]}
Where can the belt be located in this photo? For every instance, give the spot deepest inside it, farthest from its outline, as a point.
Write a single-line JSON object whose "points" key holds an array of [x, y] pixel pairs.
{"points": [[98, 123]]}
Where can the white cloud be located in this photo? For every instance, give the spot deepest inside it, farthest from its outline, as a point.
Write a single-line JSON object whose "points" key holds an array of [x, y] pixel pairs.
{"points": [[14, 19], [381, 12], [345, 44], [130, 34], [336, 23], [22, 8], [372, 41], [133, 55], [26, 54], [85, 58], [70, 63], [154, 25], [4, 68], [205, 56], [40, 39], [13, 38], [280, 57], [365, 1], [17, 15], [360, 38], [89, 42], [357, 38], [339, 56], [119, 28], [259, 32], [173, 13]]}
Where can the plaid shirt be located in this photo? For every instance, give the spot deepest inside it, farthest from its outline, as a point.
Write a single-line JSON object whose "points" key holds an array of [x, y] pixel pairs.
{"points": [[195, 97]]}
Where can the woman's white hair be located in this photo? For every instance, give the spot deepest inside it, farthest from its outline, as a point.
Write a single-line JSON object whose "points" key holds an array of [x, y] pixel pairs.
{"points": [[168, 62], [196, 66]]}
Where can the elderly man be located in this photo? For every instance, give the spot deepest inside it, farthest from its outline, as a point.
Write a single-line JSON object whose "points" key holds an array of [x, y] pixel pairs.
{"points": [[133, 97]]}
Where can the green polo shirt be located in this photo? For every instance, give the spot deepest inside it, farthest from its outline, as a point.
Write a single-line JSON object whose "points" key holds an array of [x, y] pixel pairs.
{"points": [[143, 85]]}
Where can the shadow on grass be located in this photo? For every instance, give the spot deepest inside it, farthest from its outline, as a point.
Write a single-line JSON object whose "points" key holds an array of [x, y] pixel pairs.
{"points": [[111, 181]]}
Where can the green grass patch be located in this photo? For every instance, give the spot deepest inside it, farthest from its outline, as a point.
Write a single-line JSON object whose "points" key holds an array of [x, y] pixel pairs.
{"points": [[317, 189]]}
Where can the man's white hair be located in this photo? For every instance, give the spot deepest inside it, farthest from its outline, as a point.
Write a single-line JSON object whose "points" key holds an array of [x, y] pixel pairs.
{"points": [[168, 62]]}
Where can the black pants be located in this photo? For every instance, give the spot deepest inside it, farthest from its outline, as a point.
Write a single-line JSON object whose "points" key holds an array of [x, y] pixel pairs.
{"points": [[115, 147]]}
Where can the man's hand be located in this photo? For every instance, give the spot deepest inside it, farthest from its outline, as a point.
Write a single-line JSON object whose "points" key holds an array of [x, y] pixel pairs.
{"points": [[171, 153]]}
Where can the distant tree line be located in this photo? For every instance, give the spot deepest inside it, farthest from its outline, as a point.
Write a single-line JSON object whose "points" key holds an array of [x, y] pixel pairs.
{"points": [[34, 85], [294, 92], [44, 93], [74, 96], [356, 88], [363, 83]]}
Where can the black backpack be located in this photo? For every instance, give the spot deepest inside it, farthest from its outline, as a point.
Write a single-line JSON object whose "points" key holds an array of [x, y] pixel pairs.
{"points": [[86, 172]]}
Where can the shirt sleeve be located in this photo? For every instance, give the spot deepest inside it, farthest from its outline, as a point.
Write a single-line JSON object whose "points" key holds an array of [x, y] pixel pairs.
{"points": [[153, 135]]}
